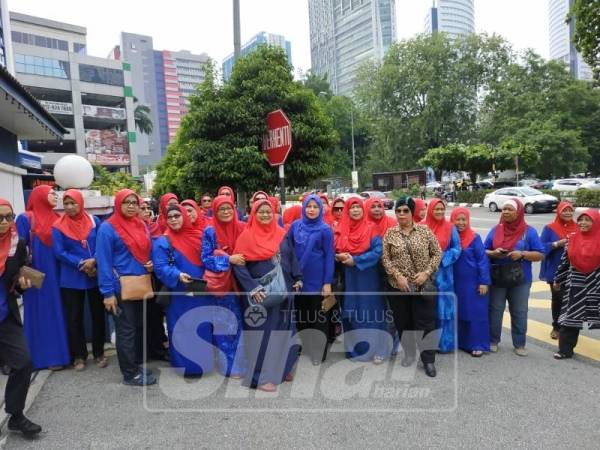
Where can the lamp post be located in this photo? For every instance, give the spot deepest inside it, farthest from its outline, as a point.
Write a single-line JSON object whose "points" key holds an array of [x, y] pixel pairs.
{"points": [[354, 172], [237, 42]]}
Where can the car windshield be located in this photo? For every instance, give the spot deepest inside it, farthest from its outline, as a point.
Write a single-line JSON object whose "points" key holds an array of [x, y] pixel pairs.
{"points": [[530, 191]]}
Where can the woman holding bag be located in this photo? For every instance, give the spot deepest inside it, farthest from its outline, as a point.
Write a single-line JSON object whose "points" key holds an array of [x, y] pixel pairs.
{"points": [[74, 244], [218, 258], [44, 321], [313, 244], [512, 246], [123, 248], [268, 254]]}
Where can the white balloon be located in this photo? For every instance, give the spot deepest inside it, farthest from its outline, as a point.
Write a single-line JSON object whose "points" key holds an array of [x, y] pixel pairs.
{"points": [[73, 171]]}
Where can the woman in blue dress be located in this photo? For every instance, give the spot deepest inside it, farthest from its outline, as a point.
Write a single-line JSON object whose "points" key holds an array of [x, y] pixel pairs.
{"points": [[358, 247], [44, 321], [74, 244], [471, 281], [177, 262], [218, 257], [554, 238], [269, 332], [313, 244], [449, 241]]}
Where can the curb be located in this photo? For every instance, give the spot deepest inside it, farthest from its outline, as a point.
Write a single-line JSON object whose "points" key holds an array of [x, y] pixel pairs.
{"points": [[480, 205]]}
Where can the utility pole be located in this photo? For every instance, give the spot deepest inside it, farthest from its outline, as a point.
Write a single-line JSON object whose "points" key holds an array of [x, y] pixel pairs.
{"points": [[237, 41], [354, 172]]}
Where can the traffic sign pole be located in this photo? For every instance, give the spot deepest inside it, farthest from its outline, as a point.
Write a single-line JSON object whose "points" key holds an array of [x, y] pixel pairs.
{"points": [[282, 184]]}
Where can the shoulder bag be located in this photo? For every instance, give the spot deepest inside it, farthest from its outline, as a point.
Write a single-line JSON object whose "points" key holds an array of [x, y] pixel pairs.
{"points": [[510, 274], [273, 285], [220, 284]]}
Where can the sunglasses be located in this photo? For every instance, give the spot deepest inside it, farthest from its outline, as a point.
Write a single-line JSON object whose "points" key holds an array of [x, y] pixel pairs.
{"points": [[7, 218], [173, 216]]}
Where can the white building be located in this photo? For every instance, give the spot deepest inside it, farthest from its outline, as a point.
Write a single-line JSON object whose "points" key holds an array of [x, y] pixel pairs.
{"points": [[91, 97], [346, 33], [453, 17], [561, 42]]}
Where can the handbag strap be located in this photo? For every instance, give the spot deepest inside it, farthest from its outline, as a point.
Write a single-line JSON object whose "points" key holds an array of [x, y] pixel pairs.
{"points": [[170, 252]]}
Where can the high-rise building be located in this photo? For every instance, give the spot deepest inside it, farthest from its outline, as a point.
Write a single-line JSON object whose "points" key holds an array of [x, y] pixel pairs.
{"points": [[453, 17], [561, 40], [162, 80], [260, 38], [91, 97], [5, 38], [346, 33]]}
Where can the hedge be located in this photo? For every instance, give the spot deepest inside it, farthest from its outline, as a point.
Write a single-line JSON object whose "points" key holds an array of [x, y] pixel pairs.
{"points": [[587, 198]]}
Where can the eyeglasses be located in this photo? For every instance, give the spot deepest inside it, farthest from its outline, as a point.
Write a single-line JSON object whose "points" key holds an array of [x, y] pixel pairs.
{"points": [[173, 216], [403, 211], [338, 208], [7, 218], [225, 208], [131, 203]]}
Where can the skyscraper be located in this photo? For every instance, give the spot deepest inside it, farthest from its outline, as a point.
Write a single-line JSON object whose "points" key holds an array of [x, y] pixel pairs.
{"points": [[453, 17], [162, 80], [346, 33], [561, 40], [253, 43]]}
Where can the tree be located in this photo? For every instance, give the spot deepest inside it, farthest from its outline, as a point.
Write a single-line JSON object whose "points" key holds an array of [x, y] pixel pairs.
{"points": [[587, 32], [475, 159], [219, 139], [110, 182], [142, 119], [427, 94]]}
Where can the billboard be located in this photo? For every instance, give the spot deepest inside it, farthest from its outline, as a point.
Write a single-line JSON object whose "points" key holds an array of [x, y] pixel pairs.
{"points": [[107, 147], [104, 112]]}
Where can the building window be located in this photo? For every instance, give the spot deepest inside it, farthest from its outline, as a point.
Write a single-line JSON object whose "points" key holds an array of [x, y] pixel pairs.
{"points": [[101, 75], [46, 67], [39, 41], [79, 48]]}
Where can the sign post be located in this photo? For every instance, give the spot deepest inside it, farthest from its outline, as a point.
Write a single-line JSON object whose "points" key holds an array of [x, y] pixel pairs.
{"points": [[277, 143]]}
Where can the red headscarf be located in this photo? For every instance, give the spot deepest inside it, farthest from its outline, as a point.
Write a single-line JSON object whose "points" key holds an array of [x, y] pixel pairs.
{"points": [[584, 248], [226, 188], [441, 228], [508, 234], [467, 235], [258, 241], [201, 220], [162, 210], [324, 199], [227, 232], [188, 239], [8, 240], [152, 226], [382, 224], [292, 214], [253, 199], [419, 206], [132, 230], [353, 236], [41, 213], [563, 229], [330, 219], [79, 226]]}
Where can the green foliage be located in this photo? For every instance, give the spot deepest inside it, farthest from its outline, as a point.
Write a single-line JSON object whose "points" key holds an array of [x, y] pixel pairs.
{"points": [[476, 158], [219, 139], [414, 190], [587, 198], [587, 32], [110, 182], [472, 196]]}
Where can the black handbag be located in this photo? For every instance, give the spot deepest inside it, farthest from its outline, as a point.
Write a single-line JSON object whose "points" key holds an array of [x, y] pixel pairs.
{"points": [[510, 274], [164, 297]]}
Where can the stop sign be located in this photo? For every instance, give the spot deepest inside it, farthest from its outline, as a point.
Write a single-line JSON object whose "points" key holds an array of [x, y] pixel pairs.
{"points": [[277, 141]]}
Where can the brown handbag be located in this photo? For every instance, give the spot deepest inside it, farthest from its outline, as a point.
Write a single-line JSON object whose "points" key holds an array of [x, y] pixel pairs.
{"points": [[34, 276], [328, 302], [136, 287]]}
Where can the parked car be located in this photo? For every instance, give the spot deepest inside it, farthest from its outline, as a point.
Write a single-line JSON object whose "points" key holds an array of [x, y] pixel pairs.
{"points": [[346, 195], [433, 185], [532, 199], [543, 184], [483, 184], [388, 203], [504, 183], [528, 182], [569, 184], [593, 184]]}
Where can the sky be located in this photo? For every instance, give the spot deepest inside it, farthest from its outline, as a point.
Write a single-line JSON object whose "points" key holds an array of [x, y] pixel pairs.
{"points": [[206, 26]]}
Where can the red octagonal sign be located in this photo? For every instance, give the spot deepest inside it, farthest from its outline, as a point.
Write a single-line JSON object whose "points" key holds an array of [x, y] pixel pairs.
{"points": [[277, 141]]}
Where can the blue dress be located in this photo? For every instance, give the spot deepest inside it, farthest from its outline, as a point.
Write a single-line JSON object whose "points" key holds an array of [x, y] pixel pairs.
{"points": [[471, 270], [444, 280], [269, 334], [364, 316], [190, 338], [552, 256], [228, 313], [44, 322]]}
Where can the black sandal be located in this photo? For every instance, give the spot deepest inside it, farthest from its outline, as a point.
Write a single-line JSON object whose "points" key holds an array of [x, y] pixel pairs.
{"points": [[559, 355]]}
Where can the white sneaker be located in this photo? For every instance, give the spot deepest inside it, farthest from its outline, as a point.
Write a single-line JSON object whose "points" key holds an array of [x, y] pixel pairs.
{"points": [[521, 351]]}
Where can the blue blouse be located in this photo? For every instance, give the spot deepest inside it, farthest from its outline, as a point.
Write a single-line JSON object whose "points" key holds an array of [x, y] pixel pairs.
{"points": [[214, 263], [531, 243], [169, 274], [112, 253], [70, 253], [551, 261]]}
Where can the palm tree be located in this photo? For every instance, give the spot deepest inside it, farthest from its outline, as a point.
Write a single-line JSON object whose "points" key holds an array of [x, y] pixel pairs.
{"points": [[141, 115]]}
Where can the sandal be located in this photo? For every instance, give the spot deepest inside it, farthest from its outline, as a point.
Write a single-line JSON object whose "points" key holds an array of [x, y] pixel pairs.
{"points": [[101, 361], [476, 353], [559, 355], [267, 387], [79, 365], [378, 360], [55, 368]]}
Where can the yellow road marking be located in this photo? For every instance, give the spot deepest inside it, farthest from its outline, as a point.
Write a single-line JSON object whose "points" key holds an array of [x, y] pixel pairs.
{"points": [[586, 346], [540, 286], [539, 304]]}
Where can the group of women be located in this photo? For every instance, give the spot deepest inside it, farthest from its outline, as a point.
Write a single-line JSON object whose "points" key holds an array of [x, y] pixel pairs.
{"points": [[408, 279]]}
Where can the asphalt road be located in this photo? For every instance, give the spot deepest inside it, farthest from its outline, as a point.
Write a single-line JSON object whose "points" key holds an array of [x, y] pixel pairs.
{"points": [[497, 401]]}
